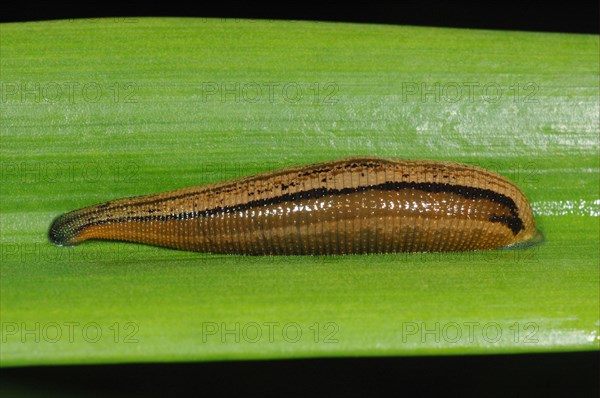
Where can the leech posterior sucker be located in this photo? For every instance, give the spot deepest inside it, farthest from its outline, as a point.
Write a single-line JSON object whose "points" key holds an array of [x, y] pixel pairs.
{"points": [[349, 206]]}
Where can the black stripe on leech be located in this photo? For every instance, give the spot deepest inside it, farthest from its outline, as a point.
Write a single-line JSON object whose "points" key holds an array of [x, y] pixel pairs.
{"points": [[514, 223]]}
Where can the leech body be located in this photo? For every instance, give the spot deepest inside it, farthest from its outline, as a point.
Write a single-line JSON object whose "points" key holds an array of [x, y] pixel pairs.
{"points": [[348, 206]]}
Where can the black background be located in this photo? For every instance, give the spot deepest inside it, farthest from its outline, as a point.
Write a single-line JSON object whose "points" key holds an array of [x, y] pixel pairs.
{"points": [[572, 16], [530, 375]]}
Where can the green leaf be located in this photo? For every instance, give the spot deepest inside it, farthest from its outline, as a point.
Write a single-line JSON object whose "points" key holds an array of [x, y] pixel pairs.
{"points": [[94, 110]]}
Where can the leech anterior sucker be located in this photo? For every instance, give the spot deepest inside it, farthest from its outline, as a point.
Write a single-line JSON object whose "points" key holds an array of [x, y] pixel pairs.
{"points": [[348, 206]]}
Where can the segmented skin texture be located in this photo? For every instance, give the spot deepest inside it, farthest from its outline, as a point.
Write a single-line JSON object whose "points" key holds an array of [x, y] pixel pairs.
{"points": [[349, 206]]}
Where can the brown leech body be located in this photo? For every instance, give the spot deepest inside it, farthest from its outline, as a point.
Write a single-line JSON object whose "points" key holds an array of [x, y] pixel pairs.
{"points": [[348, 206]]}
